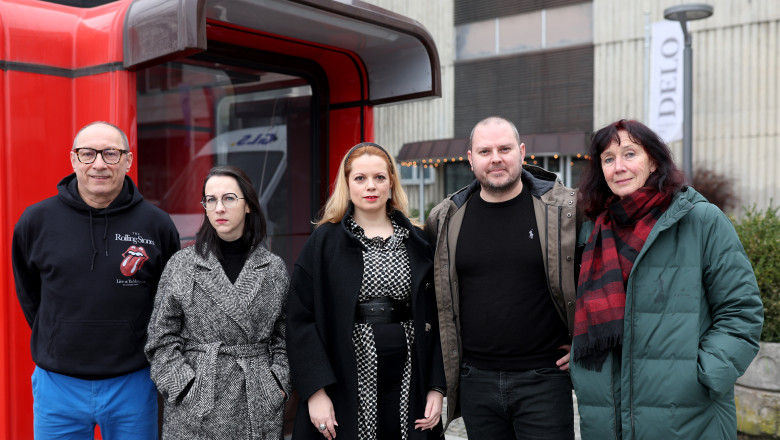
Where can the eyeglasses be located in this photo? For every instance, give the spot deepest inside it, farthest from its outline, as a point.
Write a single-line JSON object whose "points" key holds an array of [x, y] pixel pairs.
{"points": [[228, 200], [111, 156]]}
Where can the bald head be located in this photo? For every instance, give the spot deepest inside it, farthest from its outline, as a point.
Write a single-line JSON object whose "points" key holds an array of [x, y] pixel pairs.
{"points": [[493, 120], [125, 142]]}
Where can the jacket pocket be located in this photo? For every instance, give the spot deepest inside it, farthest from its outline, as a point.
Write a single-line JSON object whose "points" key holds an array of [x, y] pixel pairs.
{"points": [[187, 395], [552, 373], [270, 388]]}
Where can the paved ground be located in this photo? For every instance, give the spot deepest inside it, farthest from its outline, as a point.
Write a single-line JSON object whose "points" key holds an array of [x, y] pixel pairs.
{"points": [[457, 431]]}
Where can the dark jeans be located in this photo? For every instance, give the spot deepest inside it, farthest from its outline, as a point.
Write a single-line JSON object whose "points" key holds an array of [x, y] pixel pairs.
{"points": [[522, 405]]}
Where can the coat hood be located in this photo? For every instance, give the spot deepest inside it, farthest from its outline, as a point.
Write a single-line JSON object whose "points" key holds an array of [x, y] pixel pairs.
{"points": [[538, 180], [682, 203]]}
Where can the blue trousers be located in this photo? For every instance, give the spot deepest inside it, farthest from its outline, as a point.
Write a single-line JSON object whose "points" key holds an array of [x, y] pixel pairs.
{"points": [[64, 407], [522, 405]]}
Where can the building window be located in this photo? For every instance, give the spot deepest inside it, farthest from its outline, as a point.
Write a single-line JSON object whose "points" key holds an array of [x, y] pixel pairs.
{"points": [[456, 176], [568, 168], [539, 30], [410, 175], [520, 33], [569, 26]]}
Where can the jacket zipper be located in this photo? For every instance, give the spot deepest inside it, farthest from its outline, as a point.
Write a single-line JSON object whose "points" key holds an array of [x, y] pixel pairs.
{"points": [[630, 365], [615, 409]]}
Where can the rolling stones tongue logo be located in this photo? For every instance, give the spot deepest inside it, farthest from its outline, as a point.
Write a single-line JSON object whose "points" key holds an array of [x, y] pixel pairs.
{"points": [[135, 257]]}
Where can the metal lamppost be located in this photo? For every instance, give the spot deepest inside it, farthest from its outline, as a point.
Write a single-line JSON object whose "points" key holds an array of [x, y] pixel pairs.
{"points": [[684, 14]]}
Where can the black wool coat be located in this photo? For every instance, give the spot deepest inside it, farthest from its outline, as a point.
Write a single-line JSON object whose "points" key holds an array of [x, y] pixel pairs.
{"points": [[320, 317]]}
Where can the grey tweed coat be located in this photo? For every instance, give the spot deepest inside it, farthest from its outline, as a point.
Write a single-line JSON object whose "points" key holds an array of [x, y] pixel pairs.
{"points": [[217, 350]]}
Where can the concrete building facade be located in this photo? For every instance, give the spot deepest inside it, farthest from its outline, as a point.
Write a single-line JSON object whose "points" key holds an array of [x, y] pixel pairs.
{"points": [[561, 69]]}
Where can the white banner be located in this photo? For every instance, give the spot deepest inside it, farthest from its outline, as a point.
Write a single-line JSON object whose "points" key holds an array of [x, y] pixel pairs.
{"points": [[666, 80]]}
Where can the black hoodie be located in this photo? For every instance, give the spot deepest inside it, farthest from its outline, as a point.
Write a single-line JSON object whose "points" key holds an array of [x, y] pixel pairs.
{"points": [[86, 279]]}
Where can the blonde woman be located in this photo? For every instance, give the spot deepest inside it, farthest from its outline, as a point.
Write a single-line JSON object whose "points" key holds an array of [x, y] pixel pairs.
{"points": [[362, 333]]}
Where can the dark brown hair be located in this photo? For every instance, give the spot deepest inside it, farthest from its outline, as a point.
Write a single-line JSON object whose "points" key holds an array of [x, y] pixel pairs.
{"points": [[207, 239], [593, 189]]}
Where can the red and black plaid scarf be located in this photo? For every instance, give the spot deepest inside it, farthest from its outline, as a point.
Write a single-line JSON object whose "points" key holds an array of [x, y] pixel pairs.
{"points": [[618, 236]]}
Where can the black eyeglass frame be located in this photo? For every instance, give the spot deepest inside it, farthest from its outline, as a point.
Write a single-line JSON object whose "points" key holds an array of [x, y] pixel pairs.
{"points": [[204, 203], [100, 152]]}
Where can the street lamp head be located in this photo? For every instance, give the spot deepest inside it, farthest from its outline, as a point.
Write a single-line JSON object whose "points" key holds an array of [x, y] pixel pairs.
{"points": [[688, 12], [684, 14]]}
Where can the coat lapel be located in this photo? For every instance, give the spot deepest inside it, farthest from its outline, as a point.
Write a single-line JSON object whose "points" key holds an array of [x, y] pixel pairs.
{"points": [[233, 300], [251, 282]]}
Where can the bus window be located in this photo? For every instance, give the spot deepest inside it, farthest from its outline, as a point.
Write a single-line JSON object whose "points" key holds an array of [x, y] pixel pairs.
{"points": [[196, 115]]}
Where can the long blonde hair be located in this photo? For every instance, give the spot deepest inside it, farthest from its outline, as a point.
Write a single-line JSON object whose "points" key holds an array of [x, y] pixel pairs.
{"points": [[338, 202]]}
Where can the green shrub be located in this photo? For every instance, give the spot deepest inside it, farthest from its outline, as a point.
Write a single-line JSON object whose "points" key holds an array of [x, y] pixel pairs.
{"points": [[759, 232]]}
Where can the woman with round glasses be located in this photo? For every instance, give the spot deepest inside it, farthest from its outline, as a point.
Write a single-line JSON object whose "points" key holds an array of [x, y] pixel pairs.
{"points": [[362, 325], [216, 337]]}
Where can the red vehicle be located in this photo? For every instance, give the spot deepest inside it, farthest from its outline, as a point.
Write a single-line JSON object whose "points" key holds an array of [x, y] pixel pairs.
{"points": [[279, 88]]}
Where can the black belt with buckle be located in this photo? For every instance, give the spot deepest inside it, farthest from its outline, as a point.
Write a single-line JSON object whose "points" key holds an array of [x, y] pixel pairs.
{"points": [[383, 311]]}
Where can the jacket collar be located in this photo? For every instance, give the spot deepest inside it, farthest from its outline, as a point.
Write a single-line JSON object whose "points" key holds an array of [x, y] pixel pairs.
{"points": [[538, 180], [230, 298], [417, 239], [682, 203], [258, 257]]}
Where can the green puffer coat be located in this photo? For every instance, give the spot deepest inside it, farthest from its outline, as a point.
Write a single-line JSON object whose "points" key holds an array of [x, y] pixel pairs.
{"points": [[692, 323]]}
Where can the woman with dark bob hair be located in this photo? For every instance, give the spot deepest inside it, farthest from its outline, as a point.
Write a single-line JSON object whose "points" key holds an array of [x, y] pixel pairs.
{"points": [[362, 325], [668, 312], [216, 340]]}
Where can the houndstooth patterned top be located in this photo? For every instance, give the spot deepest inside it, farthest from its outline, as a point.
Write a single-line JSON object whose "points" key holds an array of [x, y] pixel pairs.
{"points": [[386, 273]]}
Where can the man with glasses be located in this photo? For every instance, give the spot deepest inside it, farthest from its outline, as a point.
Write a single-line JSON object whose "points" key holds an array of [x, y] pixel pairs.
{"points": [[86, 263]]}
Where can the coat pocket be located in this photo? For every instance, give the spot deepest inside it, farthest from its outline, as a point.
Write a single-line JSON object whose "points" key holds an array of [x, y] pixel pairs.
{"points": [[270, 386]]}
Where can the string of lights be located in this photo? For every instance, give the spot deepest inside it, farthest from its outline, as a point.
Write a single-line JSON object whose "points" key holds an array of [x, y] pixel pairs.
{"points": [[435, 162]]}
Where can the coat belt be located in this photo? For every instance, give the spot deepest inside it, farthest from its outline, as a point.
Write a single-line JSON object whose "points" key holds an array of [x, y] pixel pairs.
{"points": [[244, 354]]}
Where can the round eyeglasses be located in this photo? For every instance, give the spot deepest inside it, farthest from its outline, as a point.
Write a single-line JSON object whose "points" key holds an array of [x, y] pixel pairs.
{"points": [[111, 156], [229, 200]]}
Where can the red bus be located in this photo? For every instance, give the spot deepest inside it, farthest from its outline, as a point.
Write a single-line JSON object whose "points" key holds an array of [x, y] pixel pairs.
{"points": [[281, 88]]}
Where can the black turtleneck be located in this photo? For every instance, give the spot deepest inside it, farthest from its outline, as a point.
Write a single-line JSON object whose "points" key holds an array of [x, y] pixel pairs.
{"points": [[234, 255]]}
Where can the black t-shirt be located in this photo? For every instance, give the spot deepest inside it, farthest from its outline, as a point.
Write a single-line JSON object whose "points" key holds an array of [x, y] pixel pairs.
{"points": [[508, 320]]}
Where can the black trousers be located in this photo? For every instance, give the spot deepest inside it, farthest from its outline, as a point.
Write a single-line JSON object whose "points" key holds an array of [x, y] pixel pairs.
{"points": [[390, 341]]}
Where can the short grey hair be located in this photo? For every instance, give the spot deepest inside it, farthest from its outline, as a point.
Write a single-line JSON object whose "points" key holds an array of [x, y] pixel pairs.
{"points": [[125, 142]]}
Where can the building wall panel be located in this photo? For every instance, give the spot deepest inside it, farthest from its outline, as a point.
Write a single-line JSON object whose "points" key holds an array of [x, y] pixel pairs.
{"points": [[397, 124], [736, 103], [541, 92], [469, 11]]}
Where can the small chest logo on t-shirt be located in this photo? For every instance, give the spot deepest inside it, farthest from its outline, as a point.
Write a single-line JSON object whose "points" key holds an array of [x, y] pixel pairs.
{"points": [[134, 258], [531, 234]]}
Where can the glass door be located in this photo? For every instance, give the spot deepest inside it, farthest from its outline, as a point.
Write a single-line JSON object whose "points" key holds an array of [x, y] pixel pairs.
{"points": [[197, 114]]}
